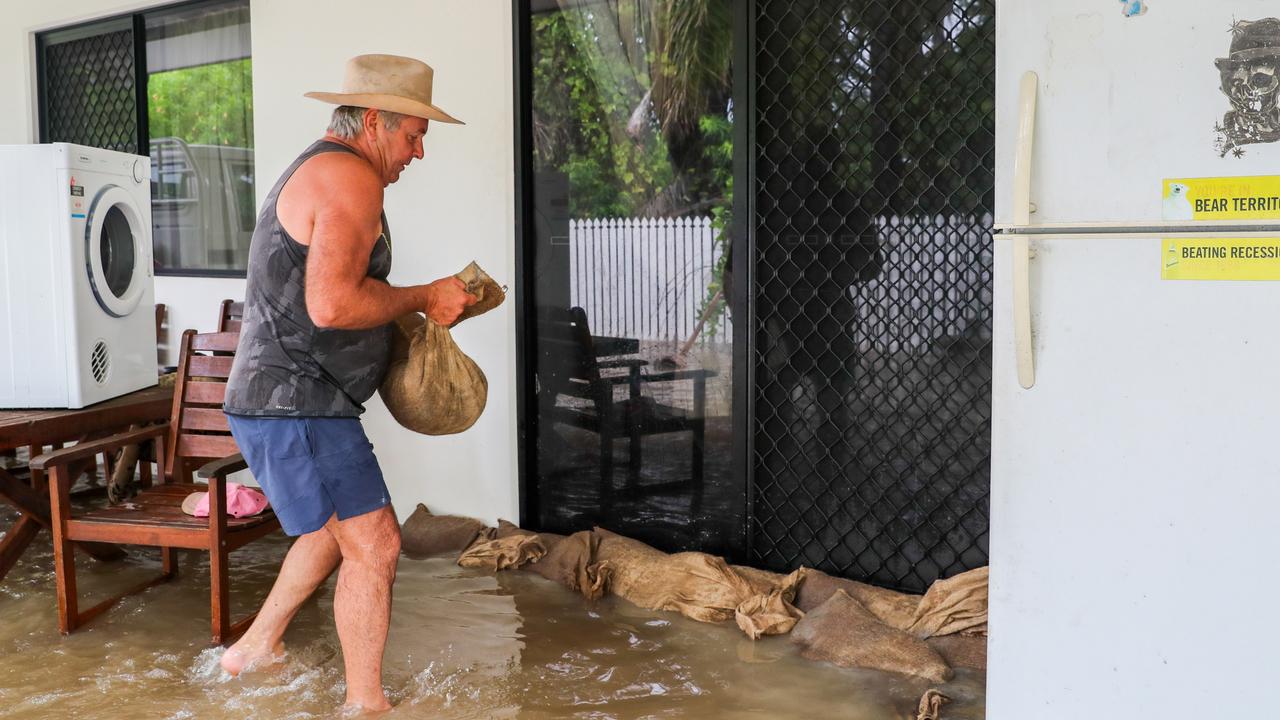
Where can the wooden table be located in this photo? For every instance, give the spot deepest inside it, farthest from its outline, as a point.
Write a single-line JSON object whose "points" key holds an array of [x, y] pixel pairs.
{"points": [[24, 428]]}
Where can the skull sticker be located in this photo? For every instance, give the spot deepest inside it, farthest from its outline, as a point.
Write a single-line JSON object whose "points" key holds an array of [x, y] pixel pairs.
{"points": [[1251, 82]]}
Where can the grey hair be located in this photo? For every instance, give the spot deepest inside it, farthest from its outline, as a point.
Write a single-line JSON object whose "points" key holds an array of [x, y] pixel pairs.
{"points": [[348, 121]]}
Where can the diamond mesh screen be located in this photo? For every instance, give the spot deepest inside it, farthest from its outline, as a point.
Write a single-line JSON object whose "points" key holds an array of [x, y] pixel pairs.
{"points": [[874, 183], [89, 95]]}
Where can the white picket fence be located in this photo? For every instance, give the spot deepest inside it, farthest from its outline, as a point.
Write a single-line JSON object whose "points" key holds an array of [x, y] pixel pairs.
{"points": [[644, 278]]}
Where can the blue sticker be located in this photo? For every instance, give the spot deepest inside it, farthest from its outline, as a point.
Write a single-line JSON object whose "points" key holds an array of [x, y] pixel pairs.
{"points": [[1133, 8], [77, 215]]}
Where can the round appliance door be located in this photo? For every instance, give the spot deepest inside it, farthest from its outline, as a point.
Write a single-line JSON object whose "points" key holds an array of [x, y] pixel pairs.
{"points": [[116, 255]]}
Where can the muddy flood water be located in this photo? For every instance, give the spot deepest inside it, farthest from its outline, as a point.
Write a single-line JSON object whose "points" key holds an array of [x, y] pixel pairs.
{"points": [[464, 644]]}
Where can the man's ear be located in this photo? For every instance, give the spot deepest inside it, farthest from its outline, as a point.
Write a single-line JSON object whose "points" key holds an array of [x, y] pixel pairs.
{"points": [[370, 121]]}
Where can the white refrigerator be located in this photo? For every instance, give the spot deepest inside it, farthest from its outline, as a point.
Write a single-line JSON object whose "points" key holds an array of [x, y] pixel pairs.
{"points": [[1135, 506]]}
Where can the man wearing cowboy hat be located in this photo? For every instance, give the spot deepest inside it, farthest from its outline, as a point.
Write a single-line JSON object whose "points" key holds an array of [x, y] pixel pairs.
{"points": [[314, 346]]}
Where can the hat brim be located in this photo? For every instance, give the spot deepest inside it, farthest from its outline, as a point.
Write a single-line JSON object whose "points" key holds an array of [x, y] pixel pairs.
{"points": [[390, 103], [190, 501]]}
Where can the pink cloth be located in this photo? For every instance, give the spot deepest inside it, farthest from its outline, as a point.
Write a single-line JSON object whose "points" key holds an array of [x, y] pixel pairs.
{"points": [[241, 502]]}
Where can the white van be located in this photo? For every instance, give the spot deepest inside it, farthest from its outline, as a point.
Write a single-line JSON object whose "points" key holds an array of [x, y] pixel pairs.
{"points": [[202, 205]]}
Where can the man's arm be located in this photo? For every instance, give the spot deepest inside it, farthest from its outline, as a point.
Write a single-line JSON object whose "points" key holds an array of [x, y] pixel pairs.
{"points": [[345, 226]]}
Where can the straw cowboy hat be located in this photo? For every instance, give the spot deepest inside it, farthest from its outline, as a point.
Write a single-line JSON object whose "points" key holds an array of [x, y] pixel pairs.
{"points": [[388, 82]]}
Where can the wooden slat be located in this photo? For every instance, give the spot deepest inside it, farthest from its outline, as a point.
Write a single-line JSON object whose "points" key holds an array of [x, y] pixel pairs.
{"points": [[223, 341], [196, 418], [206, 446], [207, 393], [164, 518], [154, 536], [210, 366], [232, 326]]}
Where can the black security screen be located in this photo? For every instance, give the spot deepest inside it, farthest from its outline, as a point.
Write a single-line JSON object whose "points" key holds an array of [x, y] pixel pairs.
{"points": [[788, 205], [872, 294], [89, 86]]}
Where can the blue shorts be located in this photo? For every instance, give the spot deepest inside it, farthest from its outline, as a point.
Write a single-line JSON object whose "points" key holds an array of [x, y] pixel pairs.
{"points": [[311, 468]]}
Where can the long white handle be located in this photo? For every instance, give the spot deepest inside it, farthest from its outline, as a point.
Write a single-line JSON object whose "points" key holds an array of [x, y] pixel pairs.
{"points": [[1021, 245]]}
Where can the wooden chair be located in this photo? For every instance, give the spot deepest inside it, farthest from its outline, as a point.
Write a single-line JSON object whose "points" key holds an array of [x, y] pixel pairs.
{"points": [[230, 315], [197, 432], [569, 366]]}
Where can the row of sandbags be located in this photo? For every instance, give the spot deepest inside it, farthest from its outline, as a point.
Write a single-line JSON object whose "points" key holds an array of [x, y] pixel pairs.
{"points": [[848, 623]]}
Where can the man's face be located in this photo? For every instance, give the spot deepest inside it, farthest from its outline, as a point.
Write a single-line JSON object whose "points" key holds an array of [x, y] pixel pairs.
{"points": [[400, 147]]}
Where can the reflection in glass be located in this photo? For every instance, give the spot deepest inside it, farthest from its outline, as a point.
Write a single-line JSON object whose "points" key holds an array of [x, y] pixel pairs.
{"points": [[633, 186], [200, 121]]}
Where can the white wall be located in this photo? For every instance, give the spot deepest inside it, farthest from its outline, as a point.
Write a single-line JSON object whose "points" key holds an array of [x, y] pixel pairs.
{"points": [[454, 206]]}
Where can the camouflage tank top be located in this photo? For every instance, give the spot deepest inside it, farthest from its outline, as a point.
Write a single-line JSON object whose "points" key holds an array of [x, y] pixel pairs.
{"points": [[285, 365]]}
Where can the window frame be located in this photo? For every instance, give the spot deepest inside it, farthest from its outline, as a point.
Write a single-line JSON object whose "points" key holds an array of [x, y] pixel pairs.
{"points": [[741, 300], [138, 22]]}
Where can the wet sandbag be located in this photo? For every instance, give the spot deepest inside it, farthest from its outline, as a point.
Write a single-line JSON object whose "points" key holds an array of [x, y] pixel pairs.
{"points": [[761, 580], [893, 608], [427, 534], [697, 585], [770, 612], [431, 386], [507, 529], [489, 294], [843, 632], [961, 651], [930, 707], [503, 553], [571, 562], [955, 605]]}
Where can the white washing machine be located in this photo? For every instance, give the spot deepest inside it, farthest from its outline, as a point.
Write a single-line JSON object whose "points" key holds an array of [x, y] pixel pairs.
{"points": [[77, 302]]}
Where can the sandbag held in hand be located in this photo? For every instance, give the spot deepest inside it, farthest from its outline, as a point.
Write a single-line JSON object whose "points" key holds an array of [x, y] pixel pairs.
{"points": [[432, 387]]}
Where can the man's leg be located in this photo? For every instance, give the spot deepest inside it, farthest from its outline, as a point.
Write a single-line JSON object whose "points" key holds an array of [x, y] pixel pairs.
{"points": [[309, 562], [370, 547]]}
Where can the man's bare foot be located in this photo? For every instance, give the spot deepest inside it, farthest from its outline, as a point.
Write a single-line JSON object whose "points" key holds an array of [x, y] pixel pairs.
{"points": [[245, 656], [369, 707]]}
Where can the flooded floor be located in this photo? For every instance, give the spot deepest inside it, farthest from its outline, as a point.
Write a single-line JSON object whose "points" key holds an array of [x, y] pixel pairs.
{"points": [[464, 644]]}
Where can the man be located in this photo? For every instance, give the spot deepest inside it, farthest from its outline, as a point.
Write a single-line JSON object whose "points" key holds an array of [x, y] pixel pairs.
{"points": [[314, 345]]}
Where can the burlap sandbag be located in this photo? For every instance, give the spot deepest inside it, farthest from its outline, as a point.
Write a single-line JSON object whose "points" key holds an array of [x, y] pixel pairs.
{"points": [[431, 386], [571, 562], [427, 534], [961, 651], [895, 609], [930, 707], [955, 605], [503, 553], [699, 586], [843, 632], [771, 612], [489, 294]]}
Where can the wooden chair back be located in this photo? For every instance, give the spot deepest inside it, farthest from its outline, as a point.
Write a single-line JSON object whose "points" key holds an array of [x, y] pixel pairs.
{"points": [[230, 316], [567, 362], [198, 429]]}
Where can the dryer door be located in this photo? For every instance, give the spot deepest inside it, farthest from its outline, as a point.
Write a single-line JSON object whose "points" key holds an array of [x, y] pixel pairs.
{"points": [[116, 246]]}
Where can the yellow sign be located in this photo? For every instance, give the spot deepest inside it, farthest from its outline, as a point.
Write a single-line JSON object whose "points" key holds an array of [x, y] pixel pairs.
{"points": [[1226, 198], [1221, 259]]}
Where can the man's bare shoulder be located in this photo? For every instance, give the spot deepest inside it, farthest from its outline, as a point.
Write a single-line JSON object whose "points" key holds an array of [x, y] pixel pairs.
{"points": [[336, 174]]}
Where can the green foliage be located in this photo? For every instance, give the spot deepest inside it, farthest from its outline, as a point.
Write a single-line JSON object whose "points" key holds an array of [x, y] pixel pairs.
{"points": [[718, 134], [203, 105], [582, 101], [630, 101]]}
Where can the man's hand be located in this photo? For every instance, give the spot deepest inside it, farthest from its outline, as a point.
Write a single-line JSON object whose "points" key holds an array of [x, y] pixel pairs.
{"points": [[446, 299]]}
